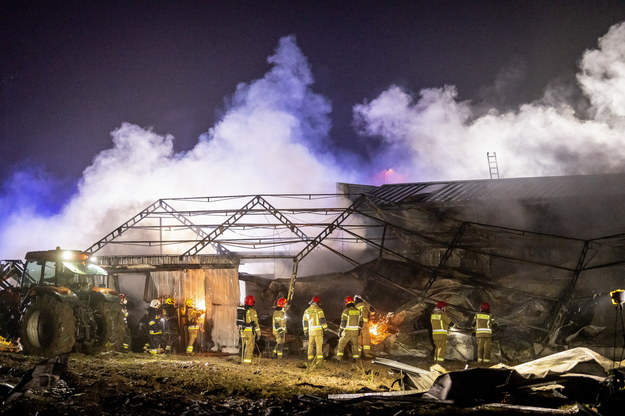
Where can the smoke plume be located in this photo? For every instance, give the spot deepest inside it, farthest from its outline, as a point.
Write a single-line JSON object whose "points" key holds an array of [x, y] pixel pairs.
{"points": [[436, 136], [273, 139]]}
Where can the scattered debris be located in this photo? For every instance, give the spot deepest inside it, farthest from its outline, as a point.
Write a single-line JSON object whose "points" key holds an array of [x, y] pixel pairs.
{"points": [[45, 375]]}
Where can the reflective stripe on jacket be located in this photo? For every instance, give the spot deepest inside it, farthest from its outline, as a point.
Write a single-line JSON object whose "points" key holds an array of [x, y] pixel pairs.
{"points": [[279, 321], [250, 322], [365, 310], [483, 323], [440, 322], [314, 320], [351, 319]]}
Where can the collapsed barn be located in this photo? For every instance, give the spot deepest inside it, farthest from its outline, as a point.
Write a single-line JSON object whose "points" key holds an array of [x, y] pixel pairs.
{"points": [[544, 252]]}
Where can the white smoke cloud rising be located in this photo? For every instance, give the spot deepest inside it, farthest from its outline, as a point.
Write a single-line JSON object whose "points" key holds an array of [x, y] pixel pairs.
{"points": [[441, 138], [274, 139]]}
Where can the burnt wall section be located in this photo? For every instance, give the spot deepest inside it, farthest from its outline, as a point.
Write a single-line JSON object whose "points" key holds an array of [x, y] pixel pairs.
{"points": [[547, 291]]}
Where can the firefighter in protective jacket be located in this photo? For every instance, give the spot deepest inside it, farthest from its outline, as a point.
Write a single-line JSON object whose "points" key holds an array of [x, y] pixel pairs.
{"points": [[155, 326], [364, 339], [127, 335], [482, 322], [279, 327], [351, 325], [314, 323], [440, 327], [170, 325], [249, 328], [193, 318]]}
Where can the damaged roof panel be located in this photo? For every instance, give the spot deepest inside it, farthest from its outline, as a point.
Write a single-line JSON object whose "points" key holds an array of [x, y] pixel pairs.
{"points": [[516, 188]]}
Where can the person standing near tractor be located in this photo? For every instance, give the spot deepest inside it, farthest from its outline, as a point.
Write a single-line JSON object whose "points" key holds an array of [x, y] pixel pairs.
{"points": [[249, 328], [314, 323], [279, 327], [155, 327], [127, 335]]}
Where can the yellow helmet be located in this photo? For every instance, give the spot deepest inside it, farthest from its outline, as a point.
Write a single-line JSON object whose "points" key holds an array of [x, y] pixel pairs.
{"points": [[170, 301], [190, 303]]}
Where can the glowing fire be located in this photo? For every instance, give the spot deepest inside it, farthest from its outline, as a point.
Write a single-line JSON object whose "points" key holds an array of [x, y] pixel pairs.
{"points": [[378, 331], [200, 304]]}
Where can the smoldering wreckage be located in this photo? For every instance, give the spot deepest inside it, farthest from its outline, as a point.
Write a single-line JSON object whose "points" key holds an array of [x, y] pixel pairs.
{"points": [[544, 253]]}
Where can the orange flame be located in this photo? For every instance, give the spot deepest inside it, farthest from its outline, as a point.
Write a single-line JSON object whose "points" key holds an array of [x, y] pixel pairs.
{"points": [[378, 331]]}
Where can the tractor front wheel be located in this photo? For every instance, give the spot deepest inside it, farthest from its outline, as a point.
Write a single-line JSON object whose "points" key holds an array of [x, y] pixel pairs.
{"points": [[47, 327]]}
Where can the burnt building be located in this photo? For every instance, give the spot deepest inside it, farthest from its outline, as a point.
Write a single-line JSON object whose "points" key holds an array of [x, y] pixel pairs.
{"points": [[545, 252]]}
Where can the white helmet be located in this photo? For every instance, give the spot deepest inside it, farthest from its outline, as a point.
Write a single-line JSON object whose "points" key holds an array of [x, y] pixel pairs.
{"points": [[155, 304]]}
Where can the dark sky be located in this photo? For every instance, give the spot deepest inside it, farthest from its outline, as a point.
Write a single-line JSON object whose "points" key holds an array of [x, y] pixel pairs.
{"points": [[74, 71]]}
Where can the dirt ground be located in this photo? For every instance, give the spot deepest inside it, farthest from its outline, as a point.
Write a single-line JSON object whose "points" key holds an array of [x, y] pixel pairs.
{"points": [[140, 384], [134, 383]]}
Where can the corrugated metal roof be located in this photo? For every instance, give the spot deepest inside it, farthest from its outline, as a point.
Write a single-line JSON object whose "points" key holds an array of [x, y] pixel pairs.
{"points": [[548, 187]]}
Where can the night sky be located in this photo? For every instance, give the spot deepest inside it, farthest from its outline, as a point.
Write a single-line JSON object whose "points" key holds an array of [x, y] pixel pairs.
{"points": [[75, 71]]}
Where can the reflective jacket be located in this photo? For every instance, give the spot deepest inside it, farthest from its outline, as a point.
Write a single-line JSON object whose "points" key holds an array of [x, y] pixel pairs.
{"points": [[482, 322], [247, 319], [279, 321], [314, 320], [440, 322], [351, 319], [192, 316], [365, 310], [155, 326]]}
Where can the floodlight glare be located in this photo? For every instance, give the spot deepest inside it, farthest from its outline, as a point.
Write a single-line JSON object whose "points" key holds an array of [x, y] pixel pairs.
{"points": [[618, 296], [67, 255]]}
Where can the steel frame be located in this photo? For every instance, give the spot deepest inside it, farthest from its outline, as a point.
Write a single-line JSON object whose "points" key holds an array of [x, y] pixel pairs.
{"points": [[332, 219]]}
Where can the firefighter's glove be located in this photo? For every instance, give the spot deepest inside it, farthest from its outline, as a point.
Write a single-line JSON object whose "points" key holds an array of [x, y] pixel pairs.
{"points": [[306, 334], [280, 331], [340, 332]]}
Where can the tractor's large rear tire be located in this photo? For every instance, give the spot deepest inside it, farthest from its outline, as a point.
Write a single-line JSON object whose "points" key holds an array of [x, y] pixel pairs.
{"points": [[47, 327], [111, 328]]}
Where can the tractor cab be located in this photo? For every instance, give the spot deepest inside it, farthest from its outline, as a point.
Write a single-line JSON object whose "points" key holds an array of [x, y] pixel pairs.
{"points": [[70, 269]]}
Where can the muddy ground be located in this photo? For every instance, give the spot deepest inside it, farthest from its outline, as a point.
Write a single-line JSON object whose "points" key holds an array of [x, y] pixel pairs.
{"points": [[140, 384]]}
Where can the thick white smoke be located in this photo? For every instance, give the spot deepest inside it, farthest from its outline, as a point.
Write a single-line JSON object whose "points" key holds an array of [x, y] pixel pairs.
{"points": [[438, 137], [272, 139]]}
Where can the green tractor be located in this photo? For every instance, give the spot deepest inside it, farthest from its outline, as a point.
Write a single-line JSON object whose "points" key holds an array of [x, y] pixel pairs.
{"points": [[62, 302]]}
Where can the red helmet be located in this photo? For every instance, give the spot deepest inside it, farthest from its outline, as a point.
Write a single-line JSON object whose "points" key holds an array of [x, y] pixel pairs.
{"points": [[441, 304], [485, 307], [349, 299], [281, 303], [315, 299], [249, 300]]}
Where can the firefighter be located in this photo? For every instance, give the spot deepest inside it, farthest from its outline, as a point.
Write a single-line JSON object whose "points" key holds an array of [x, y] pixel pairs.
{"points": [[193, 320], [171, 332], [482, 322], [314, 323], [349, 331], [155, 326], [279, 327], [364, 339], [249, 328], [440, 326], [127, 336]]}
